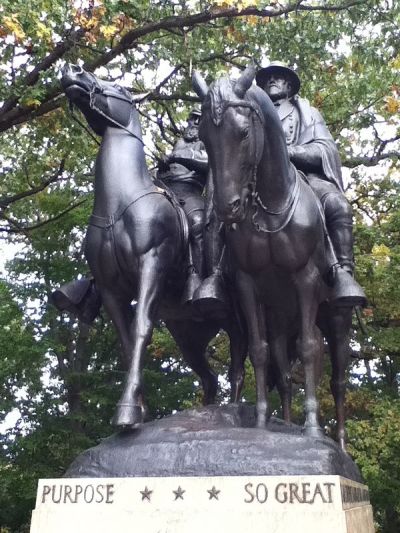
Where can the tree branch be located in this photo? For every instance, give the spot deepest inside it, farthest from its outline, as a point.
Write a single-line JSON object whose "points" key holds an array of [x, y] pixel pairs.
{"points": [[7, 200], [371, 161], [176, 22], [11, 114], [18, 228], [32, 77]]}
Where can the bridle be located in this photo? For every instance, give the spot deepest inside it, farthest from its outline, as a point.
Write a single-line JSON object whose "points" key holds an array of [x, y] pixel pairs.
{"points": [[256, 113], [97, 90], [256, 202]]}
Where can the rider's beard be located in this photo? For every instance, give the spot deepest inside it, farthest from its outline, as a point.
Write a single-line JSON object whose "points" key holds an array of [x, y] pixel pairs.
{"points": [[281, 95], [191, 134]]}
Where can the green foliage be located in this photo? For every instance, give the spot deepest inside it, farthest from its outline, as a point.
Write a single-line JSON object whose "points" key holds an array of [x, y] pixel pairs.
{"points": [[375, 445]]}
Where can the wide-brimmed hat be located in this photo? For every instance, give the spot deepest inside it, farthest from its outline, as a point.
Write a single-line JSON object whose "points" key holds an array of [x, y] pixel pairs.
{"points": [[278, 67]]}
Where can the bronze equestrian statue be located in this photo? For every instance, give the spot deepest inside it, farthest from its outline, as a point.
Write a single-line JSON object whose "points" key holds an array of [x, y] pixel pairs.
{"points": [[313, 151], [136, 247], [277, 238]]}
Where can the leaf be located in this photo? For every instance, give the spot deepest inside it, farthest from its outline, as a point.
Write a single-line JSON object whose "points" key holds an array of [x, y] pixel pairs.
{"points": [[12, 24], [381, 251], [43, 32], [108, 30], [392, 105], [31, 102]]}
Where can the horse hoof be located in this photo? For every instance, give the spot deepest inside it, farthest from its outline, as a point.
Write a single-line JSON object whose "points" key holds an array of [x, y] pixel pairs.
{"points": [[127, 416], [315, 432]]}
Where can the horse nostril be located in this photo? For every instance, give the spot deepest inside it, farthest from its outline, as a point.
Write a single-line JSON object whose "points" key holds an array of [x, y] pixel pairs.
{"points": [[76, 69]]}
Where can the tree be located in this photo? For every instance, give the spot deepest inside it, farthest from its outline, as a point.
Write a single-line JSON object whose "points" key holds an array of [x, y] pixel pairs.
{"points": [[63, 378]]}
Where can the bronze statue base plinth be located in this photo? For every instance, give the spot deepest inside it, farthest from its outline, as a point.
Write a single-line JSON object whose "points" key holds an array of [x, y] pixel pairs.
{"points": [[214, 441], [206, 469], [279, 504]]}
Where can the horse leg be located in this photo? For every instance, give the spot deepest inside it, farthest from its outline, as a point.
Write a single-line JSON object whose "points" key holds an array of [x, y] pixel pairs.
{"points": [[278, 345], [122, 316], [151, 281], [192, 339], [238, 353], [338, 341], [258, 348], [278, 349], [308, 286]]}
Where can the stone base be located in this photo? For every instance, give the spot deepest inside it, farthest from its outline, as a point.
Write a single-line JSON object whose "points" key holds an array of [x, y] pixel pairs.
{"points": [[277, 504], [208, 470], [214, 441]]}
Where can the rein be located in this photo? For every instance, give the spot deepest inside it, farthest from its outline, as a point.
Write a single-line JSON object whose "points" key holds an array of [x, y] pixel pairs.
{"points": [[95, 90], [81, 124]]}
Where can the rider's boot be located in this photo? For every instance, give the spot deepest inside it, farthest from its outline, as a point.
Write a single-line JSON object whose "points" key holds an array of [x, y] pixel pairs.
{"points": [[211, 298], [193, 279], [79, 297], [346, 292]]}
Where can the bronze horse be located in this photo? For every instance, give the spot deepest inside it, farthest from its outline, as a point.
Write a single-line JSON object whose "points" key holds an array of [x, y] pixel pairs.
{"points": [[275, 233], [136, 247]]}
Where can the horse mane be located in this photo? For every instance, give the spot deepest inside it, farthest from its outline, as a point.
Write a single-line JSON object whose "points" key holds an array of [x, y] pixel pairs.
{"points": [[264, 102], [220, 92]]}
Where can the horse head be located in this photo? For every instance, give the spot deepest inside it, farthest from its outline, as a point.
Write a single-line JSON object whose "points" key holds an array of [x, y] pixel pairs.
{"points": [[231, 128], [103, 103]]}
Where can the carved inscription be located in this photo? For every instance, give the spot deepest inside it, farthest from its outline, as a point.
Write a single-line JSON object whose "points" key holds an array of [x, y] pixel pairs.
{"points": [[256, 492], [353, 494], [78, 493], [290, 493]]}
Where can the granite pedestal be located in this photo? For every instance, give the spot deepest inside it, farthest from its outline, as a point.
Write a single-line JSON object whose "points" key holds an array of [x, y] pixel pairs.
{"points": [[208, 470]]}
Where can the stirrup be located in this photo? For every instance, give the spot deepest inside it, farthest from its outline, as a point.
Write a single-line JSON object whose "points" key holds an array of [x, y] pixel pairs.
{"points": [[210, 297], [193, 282], [346, 292]]}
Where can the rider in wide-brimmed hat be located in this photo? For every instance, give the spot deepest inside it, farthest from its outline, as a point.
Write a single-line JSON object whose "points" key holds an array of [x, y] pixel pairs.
{"points": [[279, 69], [312, 150]]}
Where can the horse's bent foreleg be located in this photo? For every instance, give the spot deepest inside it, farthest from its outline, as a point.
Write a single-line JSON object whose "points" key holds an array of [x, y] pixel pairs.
{"points": [[258, 348], [151, 282], [338, 341], [192, 338]]}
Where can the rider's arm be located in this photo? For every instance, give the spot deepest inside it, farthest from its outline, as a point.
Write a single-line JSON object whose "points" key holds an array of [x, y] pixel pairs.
{"points": [[306, 157], [192, 156]]}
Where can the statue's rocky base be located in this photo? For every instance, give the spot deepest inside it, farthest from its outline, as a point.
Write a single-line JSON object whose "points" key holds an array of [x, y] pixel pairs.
{"points": [[207, 470], [214, 441]]}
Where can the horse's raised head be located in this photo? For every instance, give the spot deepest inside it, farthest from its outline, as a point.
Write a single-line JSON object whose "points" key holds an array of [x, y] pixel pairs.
{"points": [[103, 103], [231, 130]]}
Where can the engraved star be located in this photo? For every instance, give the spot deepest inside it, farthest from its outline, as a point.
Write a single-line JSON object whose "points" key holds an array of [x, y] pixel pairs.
{"points": [[213, 493], [146, 494], [179, 493]]}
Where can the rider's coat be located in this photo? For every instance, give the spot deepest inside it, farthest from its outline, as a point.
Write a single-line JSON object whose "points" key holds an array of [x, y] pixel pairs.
{"points": [[304, 126]]}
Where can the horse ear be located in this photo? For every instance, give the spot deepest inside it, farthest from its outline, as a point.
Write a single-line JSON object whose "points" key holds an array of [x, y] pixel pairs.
{"points": [[245, 80], [199, 85]]}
